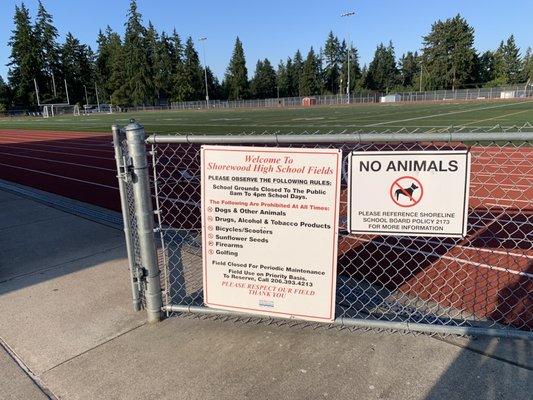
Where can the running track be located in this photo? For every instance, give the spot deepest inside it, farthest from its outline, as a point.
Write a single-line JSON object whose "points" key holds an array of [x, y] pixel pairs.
{"points": [[489, 273]]}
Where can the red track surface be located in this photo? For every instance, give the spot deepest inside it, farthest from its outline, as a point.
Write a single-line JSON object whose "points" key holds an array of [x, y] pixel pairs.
{"points": [[76, 165], [490, 273]]}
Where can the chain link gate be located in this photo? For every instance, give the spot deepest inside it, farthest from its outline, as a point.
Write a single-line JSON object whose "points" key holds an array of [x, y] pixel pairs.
{"points": [[481, 284]]}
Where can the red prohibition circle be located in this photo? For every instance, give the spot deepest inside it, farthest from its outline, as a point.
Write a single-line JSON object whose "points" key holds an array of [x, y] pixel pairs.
{"points": [[395, 185]]}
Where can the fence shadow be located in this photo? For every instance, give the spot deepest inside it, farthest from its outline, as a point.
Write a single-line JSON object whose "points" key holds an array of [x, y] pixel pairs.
{"points": [[487, 368]]}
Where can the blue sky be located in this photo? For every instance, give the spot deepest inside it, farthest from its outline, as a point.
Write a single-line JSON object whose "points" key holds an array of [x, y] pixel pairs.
{"points": [[275, 28]]}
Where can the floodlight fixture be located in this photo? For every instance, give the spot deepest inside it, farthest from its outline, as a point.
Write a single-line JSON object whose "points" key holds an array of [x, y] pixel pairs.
{"points": [[203, 39]]}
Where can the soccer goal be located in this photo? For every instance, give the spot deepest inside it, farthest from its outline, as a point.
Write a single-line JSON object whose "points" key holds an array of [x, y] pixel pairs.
{"points": [[47, 112], [53, 110]]}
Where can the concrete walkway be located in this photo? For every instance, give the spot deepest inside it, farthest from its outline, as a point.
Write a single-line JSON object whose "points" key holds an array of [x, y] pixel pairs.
{"points": [[67, 330]]}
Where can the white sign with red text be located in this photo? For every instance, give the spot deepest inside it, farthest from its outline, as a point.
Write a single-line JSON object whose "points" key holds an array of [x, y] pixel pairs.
{"points": [[269, 230]]}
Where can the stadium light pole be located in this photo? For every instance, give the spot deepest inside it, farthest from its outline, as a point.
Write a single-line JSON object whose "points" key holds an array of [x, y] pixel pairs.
{"points": [[203, 39], [348, 14], [421, 72], [86, 97], [37, 92], [86, 100], [54, 85], [66, 91], [97, 99]]}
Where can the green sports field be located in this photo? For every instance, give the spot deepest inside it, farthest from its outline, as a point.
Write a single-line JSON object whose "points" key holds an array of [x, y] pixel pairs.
{"points": [[466, 116]]}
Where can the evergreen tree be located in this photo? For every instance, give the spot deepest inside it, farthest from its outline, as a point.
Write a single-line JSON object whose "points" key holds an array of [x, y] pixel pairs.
{"points": [[512, 60], [449, 57], [176, 50], [292, 87], [236, 79], [138, 80], [255, 82], [487, 67], [151, 41], [364, 74], [4, 95], [189, 82], [264, 84], [160, 62], [409, 69], [102, 65], [24, 59], [310, 83], [320, 64], [282, 80], [500, 71], [507, 62], [48, 55], [115, 85], [77, 64], [224, 89], [333, 58], [382, 72], [527, 66], [294, 70], [176, 59], [109, 68], [164, 67]]}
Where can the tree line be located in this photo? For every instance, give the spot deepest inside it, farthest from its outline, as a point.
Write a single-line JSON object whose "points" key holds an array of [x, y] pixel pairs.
{"points": [[147, 67]]}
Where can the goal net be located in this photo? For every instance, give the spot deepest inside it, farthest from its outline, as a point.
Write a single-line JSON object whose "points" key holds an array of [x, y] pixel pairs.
{"points": [[54, 110]]}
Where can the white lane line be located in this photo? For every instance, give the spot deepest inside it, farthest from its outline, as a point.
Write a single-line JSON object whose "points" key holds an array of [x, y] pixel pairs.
{"points": [[451, 258], [108, 150], [56, 138], [60, 162], [506, 185], [48, 132], [504, 199], [62, 142], [515, 158], [498, 117], [55, 152], [60, 176], [443, 114], [499, 205], [491, 174], [451, 246], [93, 183]]}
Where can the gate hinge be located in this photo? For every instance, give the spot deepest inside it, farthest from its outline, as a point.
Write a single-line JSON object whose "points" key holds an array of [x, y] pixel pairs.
{"points": [[140, 274], [125, 171]]}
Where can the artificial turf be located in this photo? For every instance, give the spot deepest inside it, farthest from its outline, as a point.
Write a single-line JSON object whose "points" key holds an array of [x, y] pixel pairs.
{"points": [[465, 116]]}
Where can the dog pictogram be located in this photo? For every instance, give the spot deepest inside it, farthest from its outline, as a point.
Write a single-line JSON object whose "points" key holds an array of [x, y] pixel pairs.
{"points": [[406, 191]]}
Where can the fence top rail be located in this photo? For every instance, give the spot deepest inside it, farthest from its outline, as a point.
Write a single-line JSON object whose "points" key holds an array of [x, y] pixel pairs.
{"points": [[343, 138]]}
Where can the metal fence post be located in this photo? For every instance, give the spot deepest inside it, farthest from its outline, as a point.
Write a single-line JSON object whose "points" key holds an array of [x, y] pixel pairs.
{"points": [[118, 137], [145, 219]]}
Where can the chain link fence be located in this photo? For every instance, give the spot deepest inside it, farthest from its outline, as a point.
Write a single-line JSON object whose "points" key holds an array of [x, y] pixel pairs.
{"points": [[479, 284], [519, 91]]}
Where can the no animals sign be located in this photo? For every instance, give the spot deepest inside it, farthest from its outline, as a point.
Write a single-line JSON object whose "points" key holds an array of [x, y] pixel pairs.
{"points": [[422, 193]]}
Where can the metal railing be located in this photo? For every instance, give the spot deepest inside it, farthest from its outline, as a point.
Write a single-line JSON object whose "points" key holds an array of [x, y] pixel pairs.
{"points": [[481, 284]]}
